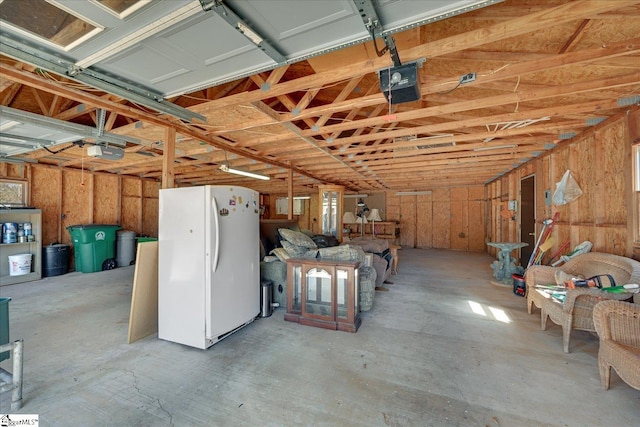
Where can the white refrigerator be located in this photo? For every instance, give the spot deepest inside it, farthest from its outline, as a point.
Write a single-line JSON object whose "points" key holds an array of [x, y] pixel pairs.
{"points": [[208, 263]]}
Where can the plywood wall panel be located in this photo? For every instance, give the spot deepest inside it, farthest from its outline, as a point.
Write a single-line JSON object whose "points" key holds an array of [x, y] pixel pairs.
{"points": [[131, 187], [46, 196], [476, 193], [131, 207], [476, 226], [131, 201], [76, 200], [587, 178], [613, 196], [151, 189], [611, 239], [441, 224], [459, 233], [150, 218], [393, 207], [106, 199], [408, 206], [424, 221]]}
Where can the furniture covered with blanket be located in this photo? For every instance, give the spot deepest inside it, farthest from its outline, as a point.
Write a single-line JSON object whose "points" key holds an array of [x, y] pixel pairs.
{"points": [[382, 259], [618, 327], [298, 245], [623, 270]]}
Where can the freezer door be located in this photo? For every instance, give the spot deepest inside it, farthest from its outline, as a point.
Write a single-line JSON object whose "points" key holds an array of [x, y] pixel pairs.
{"points": [[182, 264], [234, 295]]}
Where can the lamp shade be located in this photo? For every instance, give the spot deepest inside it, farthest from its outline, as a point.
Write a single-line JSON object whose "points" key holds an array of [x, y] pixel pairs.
{"points": [[349, 218], [374, 215], [362, 219]]}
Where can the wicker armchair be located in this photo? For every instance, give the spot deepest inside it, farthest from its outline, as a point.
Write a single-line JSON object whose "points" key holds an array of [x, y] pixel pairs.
{"points": [[576, 312], [624, 270], [618, 326]]}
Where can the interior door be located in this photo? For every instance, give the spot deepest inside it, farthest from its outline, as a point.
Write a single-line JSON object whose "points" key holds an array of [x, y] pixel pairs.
{"points": [[527, 217]]}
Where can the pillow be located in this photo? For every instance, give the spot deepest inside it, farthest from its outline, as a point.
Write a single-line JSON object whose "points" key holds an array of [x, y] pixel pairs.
{"points": [[281, 253], [562, 277], [293, 250], [297, 238]]}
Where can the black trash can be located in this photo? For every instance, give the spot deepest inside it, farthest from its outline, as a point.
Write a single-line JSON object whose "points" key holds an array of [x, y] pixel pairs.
{"points": [[55, 259]]}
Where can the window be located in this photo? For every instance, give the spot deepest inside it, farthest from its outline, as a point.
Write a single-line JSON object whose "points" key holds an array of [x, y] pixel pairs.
{"points": [[13, 193], [47, 21], [282, 206]]}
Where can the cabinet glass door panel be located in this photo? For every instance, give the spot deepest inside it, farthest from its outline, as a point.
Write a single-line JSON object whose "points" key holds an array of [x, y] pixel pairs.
{"points": [[342, 297], [331, 210], [297, 288], [318, 295]]}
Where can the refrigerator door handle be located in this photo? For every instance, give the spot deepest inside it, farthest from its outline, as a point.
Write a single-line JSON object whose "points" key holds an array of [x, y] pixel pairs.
{"points": [[217, 230]]}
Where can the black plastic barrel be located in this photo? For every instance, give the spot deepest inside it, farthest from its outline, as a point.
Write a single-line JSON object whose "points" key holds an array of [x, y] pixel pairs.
{"points": [[55, 260]]}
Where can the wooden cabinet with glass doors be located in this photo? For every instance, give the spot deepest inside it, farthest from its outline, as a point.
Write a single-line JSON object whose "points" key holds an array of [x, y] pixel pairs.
{"points": [[323, 294]]}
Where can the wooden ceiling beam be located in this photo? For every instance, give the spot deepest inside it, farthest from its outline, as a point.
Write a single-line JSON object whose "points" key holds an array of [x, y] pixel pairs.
{"points": [[533, 22], [56, 88]]}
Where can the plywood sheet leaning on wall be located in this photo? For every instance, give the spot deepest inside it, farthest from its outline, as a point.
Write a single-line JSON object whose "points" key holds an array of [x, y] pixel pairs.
{"points": [[143, 316]]}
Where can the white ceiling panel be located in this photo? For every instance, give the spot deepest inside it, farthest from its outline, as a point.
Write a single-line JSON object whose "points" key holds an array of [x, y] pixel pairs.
{"points": [[170, 47]]}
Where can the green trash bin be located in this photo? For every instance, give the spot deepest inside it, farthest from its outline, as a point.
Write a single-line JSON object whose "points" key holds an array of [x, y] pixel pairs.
{"points": [[94, 246], [4, 326]]}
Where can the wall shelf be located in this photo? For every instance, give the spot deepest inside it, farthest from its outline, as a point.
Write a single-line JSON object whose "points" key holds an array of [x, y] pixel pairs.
{"points": [[34, 216]]}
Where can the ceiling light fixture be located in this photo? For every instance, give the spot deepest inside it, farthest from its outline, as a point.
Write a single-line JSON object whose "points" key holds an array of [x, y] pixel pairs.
{"points": [[226, 168], [495, 147]]}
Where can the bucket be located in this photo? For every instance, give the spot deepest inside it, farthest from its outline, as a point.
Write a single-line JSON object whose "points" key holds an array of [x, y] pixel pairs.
{"points": [[125, 248], [519, 285], [266, 289], [19, 264], [55, 260], [9, 232]]}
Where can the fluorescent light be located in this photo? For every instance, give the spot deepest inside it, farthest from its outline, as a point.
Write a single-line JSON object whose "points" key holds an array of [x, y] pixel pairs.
{"points": [[226, 168], [413, 193], [354, 196], [495, 147], [301, 197]]}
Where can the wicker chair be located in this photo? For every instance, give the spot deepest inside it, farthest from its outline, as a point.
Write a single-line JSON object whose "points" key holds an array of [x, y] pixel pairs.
{"points": [[618, 326], [576, 312], [624, 270]]}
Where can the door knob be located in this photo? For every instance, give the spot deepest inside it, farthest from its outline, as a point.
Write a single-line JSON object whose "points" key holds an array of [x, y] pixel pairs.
{"points": [[532, 234]]}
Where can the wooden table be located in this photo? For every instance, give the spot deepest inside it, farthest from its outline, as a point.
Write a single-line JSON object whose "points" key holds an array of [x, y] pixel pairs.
{"points": [[393, 249]]}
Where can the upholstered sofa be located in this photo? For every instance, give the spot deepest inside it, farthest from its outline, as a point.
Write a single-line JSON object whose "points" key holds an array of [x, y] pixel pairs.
{"points": [[299, 245], [382, 259]]}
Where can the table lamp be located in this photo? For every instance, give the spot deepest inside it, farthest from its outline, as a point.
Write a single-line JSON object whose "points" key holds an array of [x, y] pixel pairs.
{"points": [[348, 218], [374, 216]]}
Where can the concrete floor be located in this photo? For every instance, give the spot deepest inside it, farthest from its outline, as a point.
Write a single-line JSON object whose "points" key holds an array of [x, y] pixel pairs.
{"points": [[422, 357]]}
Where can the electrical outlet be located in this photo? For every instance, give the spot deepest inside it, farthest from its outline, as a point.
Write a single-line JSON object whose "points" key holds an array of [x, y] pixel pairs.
{"points": [[468, 78]]}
